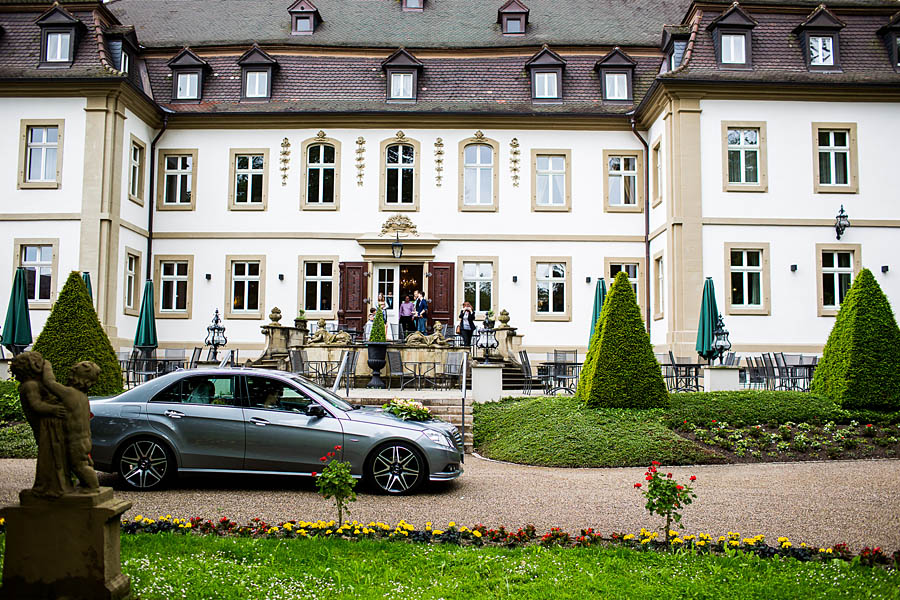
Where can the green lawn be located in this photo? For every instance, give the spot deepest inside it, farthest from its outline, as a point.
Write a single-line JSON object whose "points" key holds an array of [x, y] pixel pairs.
{"points": [[165, 566]]}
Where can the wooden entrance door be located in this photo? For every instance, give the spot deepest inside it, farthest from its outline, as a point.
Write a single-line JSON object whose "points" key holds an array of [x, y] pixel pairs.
{"points": [[440, 294], [353, 290]]}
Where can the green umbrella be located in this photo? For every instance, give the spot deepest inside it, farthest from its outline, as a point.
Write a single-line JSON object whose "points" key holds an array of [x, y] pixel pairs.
{"points": [[87, 282], [709, 315], [17, 329], [599, 298], [145, 336]]}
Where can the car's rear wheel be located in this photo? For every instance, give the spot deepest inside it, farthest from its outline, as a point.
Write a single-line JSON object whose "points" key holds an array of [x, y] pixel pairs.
{"points": [[396, 468], [145, 464]]}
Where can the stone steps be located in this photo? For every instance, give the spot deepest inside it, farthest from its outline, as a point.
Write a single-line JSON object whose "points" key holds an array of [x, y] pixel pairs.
{"points": [[446, 409]]}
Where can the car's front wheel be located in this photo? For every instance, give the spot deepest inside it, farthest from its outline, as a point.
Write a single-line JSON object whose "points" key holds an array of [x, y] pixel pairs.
{"points": [[396, 468], [145, 464]]}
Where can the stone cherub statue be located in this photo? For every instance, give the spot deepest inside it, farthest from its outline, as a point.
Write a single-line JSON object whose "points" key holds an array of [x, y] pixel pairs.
{"points": [[417, 338], [325, 337]]}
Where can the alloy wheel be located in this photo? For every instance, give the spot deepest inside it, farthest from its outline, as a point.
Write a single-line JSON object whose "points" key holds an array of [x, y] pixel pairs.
{"points": [[397, 469], [144, 464]]}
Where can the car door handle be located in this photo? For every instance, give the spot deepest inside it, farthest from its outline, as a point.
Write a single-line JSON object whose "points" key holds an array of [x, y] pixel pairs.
{"points": [[258, 421], [174, 414]]}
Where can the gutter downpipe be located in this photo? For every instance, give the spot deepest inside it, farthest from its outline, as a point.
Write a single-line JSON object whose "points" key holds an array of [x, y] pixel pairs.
{"points": [[151, 197], [646, 219]]}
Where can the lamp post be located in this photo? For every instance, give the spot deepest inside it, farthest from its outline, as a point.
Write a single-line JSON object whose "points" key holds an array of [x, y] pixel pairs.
{"points": [[397, 247], [215, 335], [841, 222], [722, 344], [486, 340]]}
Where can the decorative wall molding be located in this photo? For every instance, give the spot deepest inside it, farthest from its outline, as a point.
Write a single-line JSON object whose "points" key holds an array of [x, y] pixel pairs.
{"points": [[514, 160], [285, 160], [360, 160], [399, 224], [438, 161]]}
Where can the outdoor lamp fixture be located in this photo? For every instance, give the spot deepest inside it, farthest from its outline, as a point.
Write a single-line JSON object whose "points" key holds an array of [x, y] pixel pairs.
{"points": [[487, 341], [397, 247], [215, 336], [841, 222], [722, 344]]}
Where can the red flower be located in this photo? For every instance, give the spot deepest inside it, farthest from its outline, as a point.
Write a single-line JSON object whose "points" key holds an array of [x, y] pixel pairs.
{"points": [[693, 478], [654, 462], [868, 425], [314, 473], [679, 487], [330, 454], [714, 420], [685, 420], [668, 476], [649, 477], [637, 485], [337, 447], [324, 459], [653, 469]]}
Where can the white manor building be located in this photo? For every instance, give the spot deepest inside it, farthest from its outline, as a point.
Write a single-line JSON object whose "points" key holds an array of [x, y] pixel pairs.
{"points": [[246, 155]]}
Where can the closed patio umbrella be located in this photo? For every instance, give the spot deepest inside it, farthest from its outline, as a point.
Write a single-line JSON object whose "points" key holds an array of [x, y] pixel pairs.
{"points": [[599, 298], [87, 282], [145, 335], [17, 328], [709, 315]]}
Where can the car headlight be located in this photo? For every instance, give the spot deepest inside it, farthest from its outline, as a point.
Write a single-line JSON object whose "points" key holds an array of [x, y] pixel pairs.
{"points": [[438, 438]]}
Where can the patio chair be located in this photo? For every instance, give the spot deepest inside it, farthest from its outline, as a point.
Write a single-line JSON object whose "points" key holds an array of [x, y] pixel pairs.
{"points": [[772, 382], [785, 374], [349, 374], [396, 334], [396, 368], [729, 359], [228, 359], [565, 356], [144, 366], [528, 375], [299, 363], [451, 369], [195, 358], [210, 355]]}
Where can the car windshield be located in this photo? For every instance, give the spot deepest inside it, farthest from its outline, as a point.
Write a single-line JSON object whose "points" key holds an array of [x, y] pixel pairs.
{"points": [[324, 395]]}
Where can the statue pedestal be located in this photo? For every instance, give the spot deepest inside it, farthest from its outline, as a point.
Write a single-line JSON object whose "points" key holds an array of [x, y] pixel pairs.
{"points": [[721, 379], [66, 547], [487, 382]]}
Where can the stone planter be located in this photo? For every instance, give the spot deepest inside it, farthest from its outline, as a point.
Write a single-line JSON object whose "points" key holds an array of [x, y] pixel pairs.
{"points": [[377, 352]]}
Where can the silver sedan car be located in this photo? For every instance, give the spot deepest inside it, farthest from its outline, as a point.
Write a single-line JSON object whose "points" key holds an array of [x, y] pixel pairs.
{"points": [[265, 422]]}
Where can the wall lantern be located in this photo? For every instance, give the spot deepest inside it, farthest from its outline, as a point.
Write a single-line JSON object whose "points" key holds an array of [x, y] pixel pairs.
{"points": [[397, 247], [884, 268], [215, 335], [841, 222], [208, 276], [793, 268], [281, 277], [515, 278], [722, 344], [587, 279]]}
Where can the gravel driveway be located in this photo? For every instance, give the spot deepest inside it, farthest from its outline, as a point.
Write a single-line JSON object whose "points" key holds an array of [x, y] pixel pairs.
{"points": [[822, 503]]}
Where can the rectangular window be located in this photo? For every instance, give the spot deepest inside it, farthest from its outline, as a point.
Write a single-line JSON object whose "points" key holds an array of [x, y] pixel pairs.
{"points": [[257, 84], [173, 286], [550, 178], [188, 84], [320, 178], [178, 176], [550, 280], [660, 291], [478, 177], [837, 275], [245, 286], [402, 86], [400, 174], [42, 147], [743, 156], [38, 263], [834, 157], [622, 180], [318, 278], [58, 47], [746, 278], [657, 173], [131, 279], [821, 51], [248, 178], [546, 85], [136, 172], [631, 269], [616, 86], [126, 62], [303, 24], [478, 285], [513, 26], [733, 51]]}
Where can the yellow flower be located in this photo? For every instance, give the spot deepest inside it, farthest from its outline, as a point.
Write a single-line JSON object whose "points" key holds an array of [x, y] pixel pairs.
{"points": [[782, 540], [701, 543], [476, 533], [828, 551], [721, 538], [672, 532], [139, 518], [802, 545], [328, 532], [356, 532], [630, 536], [677, 541], [645, 541], [821, 550], [734, 543], [786, 545], [168, 516], [437, 532], [288, 526]]}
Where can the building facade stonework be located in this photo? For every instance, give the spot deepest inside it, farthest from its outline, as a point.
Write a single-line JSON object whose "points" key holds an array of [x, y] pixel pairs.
{"points": [[519, 151]]}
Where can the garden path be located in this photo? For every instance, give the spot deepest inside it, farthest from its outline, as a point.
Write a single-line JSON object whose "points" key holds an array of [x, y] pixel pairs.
{"points": [[821, 503]]}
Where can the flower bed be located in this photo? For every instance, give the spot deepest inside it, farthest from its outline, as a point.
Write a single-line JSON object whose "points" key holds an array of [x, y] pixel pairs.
{"points": [[480, 535]]}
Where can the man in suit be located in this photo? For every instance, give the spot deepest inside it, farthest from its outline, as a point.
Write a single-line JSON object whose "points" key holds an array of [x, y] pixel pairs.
{"points": [[421, 311]]}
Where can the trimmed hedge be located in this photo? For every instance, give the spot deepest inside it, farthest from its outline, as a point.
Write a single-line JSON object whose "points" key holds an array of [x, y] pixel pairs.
{"points": [[622, 371], [860, 366], [10, 407], [17, 441], [750, 407], [73, 334], [378, 334]]}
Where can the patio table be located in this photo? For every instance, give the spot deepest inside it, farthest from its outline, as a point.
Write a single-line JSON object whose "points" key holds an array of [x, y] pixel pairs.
{"points": [[559, 376], [422, 370]]}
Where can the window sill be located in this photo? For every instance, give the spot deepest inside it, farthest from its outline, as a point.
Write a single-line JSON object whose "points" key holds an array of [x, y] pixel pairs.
{"points": [[131, 312], [38, 185], [136, 200], [320, 206], [623, 208], [39, 305], [656, 202], [161, 206], [550, 208], [537, 317], [242, 207], [173, 315], [745, 187], [316, 315], [737, 311], [478, 208], [244, 315], [822, 188], [399, 207], [827, 312], [658, 316]]}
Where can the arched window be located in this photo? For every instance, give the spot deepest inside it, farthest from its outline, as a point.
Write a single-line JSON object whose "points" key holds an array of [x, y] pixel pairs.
{"points": [[400, 167], [320, 174], [478, 180]]}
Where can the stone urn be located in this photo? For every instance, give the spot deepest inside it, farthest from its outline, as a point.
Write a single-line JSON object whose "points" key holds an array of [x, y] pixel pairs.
{"points": [[504, 319], [376, 361]]}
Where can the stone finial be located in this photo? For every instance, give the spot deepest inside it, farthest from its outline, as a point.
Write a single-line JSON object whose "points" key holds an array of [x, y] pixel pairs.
{"points": [[504, 319], [274, 317]]}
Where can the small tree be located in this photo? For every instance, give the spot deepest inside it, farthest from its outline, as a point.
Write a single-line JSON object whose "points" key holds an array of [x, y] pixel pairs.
{"points": [[335, 481], [378, 334], [73, 333], [623, 372], [860, 366]]}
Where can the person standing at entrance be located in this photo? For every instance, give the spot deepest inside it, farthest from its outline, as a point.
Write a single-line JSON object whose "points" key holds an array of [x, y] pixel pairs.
{"points": [[407, 308], [466, 324], [421, 311]]}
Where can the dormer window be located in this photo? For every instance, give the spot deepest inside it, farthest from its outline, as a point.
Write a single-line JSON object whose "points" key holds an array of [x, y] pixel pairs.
{"points": [[256, 74], [546, 68], [820, 37], [732, 32], [616, 71], [416, 5], [891, 35], [125, 62], [402, 73], [188, 70], [305, 17], [59, 32], [513, 18]]}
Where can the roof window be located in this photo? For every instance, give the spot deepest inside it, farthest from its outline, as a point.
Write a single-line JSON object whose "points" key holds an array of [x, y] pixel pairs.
{"points": [[546, 69], [732, 34], [820, 37], [305, 17], [513, 18]]}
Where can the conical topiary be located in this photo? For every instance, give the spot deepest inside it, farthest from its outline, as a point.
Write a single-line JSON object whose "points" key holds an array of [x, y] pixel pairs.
{"points": [[73, 334], [377, 334], [860, 366], [623, 372]]}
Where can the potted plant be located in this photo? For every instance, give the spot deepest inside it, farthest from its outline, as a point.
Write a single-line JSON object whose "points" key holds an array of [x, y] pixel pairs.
{"points": [[377, 349], [489, 319], [300, 319]]}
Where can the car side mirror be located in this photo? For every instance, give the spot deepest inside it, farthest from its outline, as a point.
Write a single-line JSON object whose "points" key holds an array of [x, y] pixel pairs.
{"points": [[315, 410]]}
